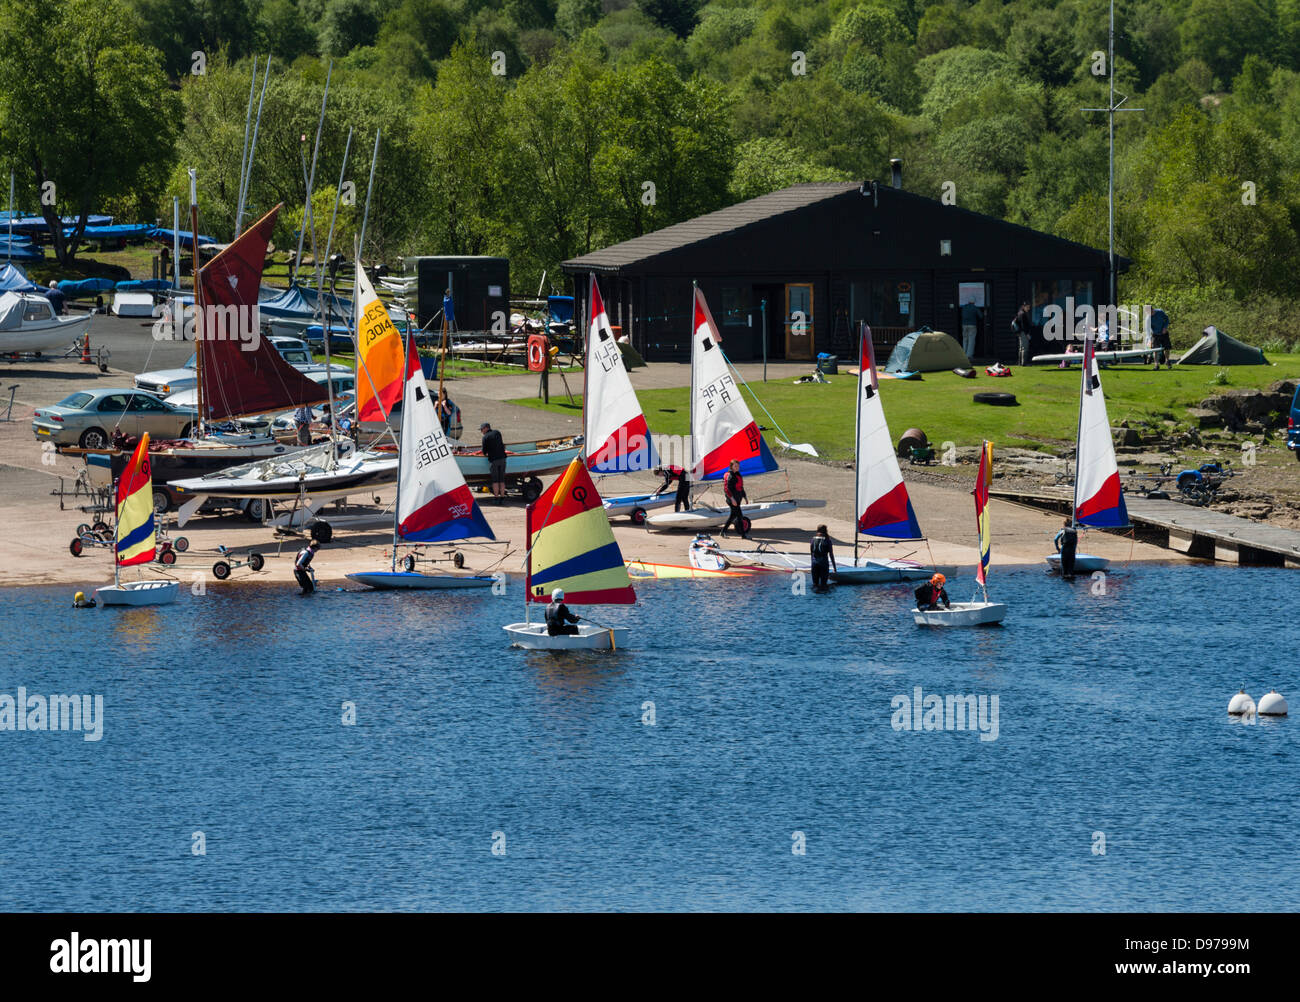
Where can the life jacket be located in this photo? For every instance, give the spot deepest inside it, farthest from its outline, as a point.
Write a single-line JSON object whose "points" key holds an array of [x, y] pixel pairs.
{"points": [[821, 549]]}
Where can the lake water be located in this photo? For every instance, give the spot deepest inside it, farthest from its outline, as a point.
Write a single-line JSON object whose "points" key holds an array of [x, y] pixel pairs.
{"points": [[222, 715]]}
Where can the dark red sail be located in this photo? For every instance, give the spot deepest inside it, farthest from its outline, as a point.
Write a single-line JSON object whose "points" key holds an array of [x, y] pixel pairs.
{"points": [[241, 373]]}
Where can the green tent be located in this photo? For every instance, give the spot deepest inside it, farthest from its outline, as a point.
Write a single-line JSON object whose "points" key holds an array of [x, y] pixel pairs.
{"points": [[926, 351], [1218, 348]]}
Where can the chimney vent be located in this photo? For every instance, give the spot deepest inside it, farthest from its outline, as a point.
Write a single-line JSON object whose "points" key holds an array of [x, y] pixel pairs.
{"points": [[896, 171]]}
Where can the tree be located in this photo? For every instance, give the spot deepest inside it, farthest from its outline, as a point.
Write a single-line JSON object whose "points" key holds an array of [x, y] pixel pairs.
{"points": [[678, 16], [1224, 32], [573, 17], [85, 111], [765, 165], [348, 24]]}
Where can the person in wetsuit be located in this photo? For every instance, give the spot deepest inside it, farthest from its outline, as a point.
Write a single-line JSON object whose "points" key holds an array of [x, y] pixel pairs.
{"points": [[1067, 542], [671, 473], [932, 594], [559, 620], [733, 489], [823, 559], [302, 567]]}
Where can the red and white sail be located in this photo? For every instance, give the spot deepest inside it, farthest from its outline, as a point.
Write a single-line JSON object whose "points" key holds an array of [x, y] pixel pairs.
{"points": [[1098, 500], [434, 503], [617, 438], [883, 505], [722, 429]]}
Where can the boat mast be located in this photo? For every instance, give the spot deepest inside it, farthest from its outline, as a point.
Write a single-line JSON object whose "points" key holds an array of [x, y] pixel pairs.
{"points": [[311, 178], [247, 172], [695, 351], [199, 332], [9, 248], [857, 431], [1078, 432], [586, 362], [397, 501], [320, 285]]}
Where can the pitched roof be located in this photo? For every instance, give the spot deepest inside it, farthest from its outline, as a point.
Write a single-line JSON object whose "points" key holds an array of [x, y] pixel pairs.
{"points": [[713, 224]]}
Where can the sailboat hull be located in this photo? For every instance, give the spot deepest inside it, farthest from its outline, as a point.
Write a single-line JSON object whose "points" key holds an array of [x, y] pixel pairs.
{"points": [[962, 614], [1084, 563], [533, 637], [138, 593], [628, 503], [415, 581], [712, 518], [885, 572]]}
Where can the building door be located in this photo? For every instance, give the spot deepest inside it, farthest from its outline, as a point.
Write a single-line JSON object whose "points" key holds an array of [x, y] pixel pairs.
{"points": [[799, 342], [974, 307]]}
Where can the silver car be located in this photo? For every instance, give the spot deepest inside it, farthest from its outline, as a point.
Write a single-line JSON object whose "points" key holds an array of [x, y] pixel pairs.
{"points": [[88, 418]]}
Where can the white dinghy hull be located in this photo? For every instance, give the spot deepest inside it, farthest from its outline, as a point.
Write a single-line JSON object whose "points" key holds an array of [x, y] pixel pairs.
{"points": [[962, 614], [713, 518], [533, 637], [415, 581], [1084, 563], [629, 503], [138, 593]]}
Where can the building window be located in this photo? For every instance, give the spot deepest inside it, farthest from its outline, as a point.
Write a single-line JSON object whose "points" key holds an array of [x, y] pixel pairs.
{"points": [[736, 306], [1055, 292], [883, 302]]}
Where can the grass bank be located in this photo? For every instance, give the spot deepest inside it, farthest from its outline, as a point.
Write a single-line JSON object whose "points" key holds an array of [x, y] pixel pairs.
{"points": [[941, 404]]}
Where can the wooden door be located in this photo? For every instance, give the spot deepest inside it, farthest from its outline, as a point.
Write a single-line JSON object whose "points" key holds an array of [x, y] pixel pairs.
{"points": [[799, 340]]}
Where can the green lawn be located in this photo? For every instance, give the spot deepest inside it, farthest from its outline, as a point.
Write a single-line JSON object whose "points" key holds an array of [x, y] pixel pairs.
{"points": [[940, 404]]}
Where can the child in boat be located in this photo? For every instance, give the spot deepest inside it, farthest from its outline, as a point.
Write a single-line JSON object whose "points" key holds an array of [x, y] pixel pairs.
{"points": [[559, 620], [932, 594]]}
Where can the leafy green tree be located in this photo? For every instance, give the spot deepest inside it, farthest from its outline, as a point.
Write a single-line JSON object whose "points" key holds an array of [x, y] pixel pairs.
{"points": [[573, 17], [941, 27], [347, 24], [84, 107], [678, 16], [181, 27], [282, 31], [1224, 32], [765, 165]]}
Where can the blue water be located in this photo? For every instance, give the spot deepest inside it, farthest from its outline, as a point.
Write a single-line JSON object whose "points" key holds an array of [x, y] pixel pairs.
{"points": [[773, 715]]}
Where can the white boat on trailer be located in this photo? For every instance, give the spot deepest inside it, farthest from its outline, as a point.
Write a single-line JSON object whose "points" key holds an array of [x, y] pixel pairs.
{"points": [[976, 612], [711, 517], [434, 504]]}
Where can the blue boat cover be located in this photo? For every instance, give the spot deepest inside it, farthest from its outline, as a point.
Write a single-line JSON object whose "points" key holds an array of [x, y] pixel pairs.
{"points": [[300, 302], [187, 238], [143, 285], [20, 250], [126, 231], [85, 286], [13, 279]]}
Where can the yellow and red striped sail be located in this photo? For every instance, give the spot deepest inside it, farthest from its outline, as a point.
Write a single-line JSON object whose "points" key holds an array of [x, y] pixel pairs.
{"points": [[572, 545], [135, 528], [982, 484], [381, 361]]}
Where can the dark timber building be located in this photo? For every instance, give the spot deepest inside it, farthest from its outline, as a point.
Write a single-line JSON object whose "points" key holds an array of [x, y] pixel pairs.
{"points": [[836, 253]]}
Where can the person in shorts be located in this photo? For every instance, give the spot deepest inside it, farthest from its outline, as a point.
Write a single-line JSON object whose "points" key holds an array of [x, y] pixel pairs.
{"points": [[1160, 338], [495, 451]]}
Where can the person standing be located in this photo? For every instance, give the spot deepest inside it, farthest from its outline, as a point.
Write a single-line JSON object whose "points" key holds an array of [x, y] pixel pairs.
{"points": [[495, 451], [55, 295], [1160, 337], [302, 567], [679, 474], [1067, 543], [1023, 326], [970, 319], [302, 424], [733, 489], [559, 620], [823, 559]]}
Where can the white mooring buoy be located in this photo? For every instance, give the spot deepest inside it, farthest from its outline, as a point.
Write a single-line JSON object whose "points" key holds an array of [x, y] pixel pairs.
{"points": [[1241, 704], [1272, 704]]}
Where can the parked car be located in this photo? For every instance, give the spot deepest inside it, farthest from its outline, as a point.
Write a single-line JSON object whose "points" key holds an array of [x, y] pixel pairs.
{"points": [[88, 418], [1293, 425], [164, 382]]}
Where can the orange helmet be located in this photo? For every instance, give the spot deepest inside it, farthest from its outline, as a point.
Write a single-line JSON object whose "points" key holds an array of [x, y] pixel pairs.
{"points": [[938, 580]]}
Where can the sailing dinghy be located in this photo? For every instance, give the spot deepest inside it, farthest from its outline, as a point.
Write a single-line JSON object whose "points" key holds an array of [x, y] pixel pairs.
{"points": [[133, 541], [571, 546], [1098, 497], [614, 428], [975, 612], [722, 430], [434, 504]]}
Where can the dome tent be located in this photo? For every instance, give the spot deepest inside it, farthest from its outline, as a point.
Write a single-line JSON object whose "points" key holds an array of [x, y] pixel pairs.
{"points": [[1218, 348], [926, 350]]}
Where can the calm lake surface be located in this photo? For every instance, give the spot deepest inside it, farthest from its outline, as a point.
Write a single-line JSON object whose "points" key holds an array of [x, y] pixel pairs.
{"points": [[222, 715]]}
